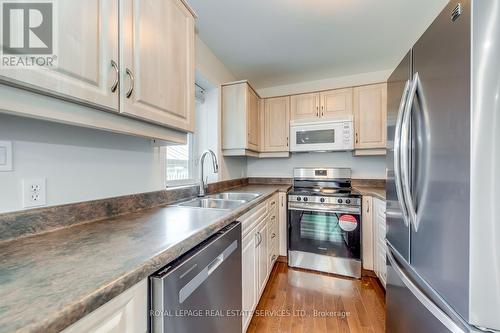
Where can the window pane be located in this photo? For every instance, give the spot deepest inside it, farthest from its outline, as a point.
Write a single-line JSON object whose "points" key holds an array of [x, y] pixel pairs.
{"points": [[316, 136], [178, 162]]}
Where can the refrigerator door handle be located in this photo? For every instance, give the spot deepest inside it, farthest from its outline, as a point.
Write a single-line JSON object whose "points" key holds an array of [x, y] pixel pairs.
{"points": [[397, 153], [405, 156], [423, 299]]}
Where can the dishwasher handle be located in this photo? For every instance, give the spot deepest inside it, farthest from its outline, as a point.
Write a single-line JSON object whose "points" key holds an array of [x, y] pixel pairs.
{"points": [[215, 263]]}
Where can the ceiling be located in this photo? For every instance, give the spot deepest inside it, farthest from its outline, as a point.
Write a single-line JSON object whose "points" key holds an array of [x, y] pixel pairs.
{"points": [[278, 42]]}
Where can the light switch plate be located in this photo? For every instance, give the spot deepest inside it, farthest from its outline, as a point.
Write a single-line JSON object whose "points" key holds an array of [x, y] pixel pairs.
{"points": [[5, 156]]}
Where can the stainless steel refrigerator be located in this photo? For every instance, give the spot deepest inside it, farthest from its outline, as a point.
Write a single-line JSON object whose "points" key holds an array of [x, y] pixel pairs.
{"points": [[443, 176]]}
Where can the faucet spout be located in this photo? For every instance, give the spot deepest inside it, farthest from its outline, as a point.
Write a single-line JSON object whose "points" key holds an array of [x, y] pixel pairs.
{"points": [[202, 184]]}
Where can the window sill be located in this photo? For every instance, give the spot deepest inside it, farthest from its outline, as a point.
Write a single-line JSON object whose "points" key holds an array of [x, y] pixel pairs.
{"points": [[181, 184]]}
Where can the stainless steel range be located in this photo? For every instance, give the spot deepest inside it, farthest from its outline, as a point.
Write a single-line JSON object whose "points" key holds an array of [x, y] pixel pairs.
{"points": [[324, 222]]}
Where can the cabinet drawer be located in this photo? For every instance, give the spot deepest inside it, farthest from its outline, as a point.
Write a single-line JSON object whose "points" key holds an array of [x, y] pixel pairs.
{"points": [[273, 203], [253, 217], [272, 255]]}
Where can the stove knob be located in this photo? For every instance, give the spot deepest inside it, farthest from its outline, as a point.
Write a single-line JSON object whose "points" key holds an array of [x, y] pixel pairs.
{"points": [[305, 199], [322, 200], [299, 198], [348, 201], [339, 201]]}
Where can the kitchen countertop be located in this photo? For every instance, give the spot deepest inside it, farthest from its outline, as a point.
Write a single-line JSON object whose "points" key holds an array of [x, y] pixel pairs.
{"points": [[377, 192], [49, 281]]}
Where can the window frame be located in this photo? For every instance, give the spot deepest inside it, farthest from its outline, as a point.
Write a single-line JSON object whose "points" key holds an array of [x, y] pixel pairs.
{"points": [[191, 180]]}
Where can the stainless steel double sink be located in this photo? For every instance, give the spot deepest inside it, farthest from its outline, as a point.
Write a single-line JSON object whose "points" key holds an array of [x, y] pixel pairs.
{"points": [[225, 200]]}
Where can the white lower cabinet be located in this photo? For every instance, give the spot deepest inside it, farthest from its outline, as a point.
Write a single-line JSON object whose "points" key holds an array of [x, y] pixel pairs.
{"points": [[367, 233], [262, 262], [249, 276], [259, 253], [379, 223], [283, 225], [127, 313], [373, 237]]}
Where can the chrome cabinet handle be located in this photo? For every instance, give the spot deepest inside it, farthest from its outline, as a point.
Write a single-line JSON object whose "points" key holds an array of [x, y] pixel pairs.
{"points": [[259, 237], [405, 154], [397, 153], [114, 86], [131, 89]]}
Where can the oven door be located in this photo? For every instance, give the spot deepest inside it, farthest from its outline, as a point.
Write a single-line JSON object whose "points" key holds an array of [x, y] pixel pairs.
{"points": [[329, 233], [327, 136]]}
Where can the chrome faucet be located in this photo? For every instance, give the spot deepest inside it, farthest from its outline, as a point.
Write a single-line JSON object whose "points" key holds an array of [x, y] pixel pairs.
{"points": [[200, 165]]}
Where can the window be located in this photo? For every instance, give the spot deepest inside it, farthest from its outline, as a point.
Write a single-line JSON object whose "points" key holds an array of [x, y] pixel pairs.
{"points": [[180, 163]]}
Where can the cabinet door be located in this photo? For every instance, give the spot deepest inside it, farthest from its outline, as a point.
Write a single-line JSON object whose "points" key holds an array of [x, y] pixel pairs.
{"points": [[262, 250], [305, 106], [87, 39], [370, 116], [249, 275], [261, 125], [158, 62], [369, 249], [283, 226], [276, 124], [379, 226], [127, 313], [252, 119], [336, 103]]}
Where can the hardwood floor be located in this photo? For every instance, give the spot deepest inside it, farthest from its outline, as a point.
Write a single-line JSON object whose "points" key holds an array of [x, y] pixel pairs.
{"points": [[299, 301]]}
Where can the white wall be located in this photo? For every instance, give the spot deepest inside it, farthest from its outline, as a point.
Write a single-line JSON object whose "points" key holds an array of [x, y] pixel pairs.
{"points": [[207, 123], [368, 167], [211, 69], [326, 84], [79, 163]]}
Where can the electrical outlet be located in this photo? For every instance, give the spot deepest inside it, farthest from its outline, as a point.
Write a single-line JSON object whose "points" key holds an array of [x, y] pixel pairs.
{"points": [[34, 192]]}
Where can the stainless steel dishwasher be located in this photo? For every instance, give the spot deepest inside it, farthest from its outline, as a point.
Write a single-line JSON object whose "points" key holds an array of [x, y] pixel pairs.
{"points": [[200, 291]]}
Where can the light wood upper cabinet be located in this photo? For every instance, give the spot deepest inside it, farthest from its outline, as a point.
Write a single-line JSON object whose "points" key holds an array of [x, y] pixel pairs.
{"points": [[241, 134], [253, 120], [276, 124], [305, 106], [158, 62], [87, 45], [336, 103], [322, 105], [370, 116]]}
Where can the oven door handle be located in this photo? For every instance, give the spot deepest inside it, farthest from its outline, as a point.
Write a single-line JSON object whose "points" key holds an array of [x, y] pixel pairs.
{"points": [[325, 210]]}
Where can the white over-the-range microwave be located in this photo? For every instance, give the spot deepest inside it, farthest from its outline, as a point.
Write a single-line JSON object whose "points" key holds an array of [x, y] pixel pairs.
{"points": [[328, 135]]}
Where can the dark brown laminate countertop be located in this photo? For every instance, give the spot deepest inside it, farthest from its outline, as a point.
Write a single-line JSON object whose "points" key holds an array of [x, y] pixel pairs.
{"points": [[377, 192], [49, 281]]}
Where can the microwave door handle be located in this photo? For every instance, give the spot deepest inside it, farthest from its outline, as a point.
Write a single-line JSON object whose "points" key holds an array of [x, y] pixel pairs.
{"points": [[405, 154], [397, 154]]}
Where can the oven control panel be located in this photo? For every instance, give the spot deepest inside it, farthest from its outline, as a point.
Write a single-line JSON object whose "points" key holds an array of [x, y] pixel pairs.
{"points": [[350, 201]]}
